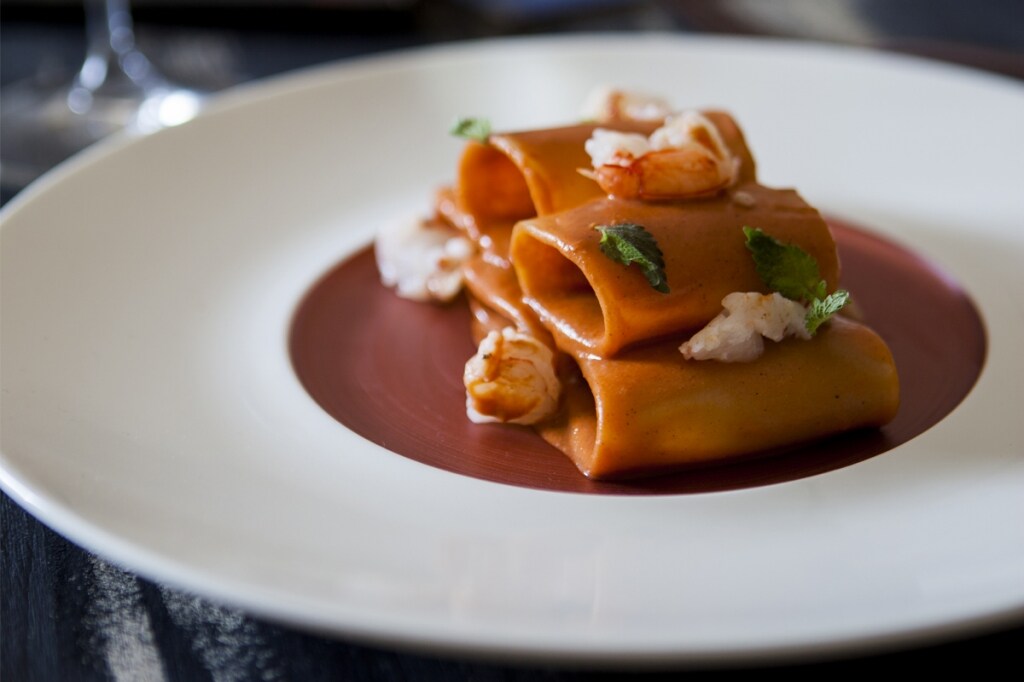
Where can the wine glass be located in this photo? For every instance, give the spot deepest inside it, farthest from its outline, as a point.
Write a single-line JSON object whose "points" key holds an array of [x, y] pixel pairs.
{"points": [[116, 88]]}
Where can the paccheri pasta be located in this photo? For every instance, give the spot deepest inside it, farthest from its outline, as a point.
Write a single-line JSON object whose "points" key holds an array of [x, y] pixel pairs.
{"points": [[621, 307]]}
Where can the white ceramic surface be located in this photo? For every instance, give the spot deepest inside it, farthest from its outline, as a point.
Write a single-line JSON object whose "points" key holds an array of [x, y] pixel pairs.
{"points": [[150, 412]]}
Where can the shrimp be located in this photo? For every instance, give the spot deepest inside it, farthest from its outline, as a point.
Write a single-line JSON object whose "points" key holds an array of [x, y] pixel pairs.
{"points": [[608, 105], [511, 379], [737, 335], [684, 158], [422, 259]]}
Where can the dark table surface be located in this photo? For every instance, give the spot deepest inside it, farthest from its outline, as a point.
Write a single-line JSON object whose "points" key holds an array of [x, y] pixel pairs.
{"points": [[66, 614]]}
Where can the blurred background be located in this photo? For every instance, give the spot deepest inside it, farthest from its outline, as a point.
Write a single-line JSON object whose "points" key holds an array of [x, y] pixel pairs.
{"points": [[205, 46], [49, 593], [215, 43]]}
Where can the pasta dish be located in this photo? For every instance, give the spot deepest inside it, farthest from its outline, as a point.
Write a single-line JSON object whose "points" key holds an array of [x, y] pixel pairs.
{"points": [[637, 297]]}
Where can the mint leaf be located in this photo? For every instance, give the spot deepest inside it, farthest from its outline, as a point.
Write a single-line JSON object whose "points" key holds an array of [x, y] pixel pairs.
{"points": [[791, 271], [822, 309], [629, 243], [478, 129], [785, 268]]}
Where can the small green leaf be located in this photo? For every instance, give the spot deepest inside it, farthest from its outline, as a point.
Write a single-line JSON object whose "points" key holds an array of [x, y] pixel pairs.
{"points": [[629, 243], [822, 309], [478, 129], [791, 271], [785, 268]]}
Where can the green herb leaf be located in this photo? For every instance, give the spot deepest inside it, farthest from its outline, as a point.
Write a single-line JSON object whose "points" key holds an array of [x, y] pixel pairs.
{"points": [[822, 309], [628, 243], [478, 129], [785, 268], [791, 271]]}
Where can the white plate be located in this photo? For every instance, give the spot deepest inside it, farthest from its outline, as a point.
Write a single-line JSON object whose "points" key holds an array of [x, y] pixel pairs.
{"points": [[150, 412]]}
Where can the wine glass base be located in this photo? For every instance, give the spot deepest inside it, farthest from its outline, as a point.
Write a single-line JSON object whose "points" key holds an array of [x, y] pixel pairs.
{"points": [[38, 128]]}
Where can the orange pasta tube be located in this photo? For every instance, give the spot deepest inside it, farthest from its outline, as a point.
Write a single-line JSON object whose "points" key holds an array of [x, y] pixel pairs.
{"points": [[516, 176], [520, 175], [646, 410], [593, 304]]}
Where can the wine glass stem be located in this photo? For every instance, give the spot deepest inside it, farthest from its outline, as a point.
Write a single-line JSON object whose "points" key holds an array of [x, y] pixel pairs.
{"points": [[112, 60]]}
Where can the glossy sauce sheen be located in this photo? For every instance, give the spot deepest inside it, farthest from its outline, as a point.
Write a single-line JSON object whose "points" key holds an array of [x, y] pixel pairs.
{"points": [[364, 355]]}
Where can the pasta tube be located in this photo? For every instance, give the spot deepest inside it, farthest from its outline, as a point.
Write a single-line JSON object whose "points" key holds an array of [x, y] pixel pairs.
{"points": [[645, 411], [595, 305]]}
